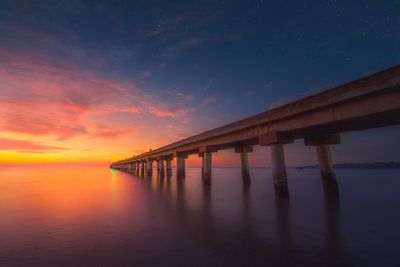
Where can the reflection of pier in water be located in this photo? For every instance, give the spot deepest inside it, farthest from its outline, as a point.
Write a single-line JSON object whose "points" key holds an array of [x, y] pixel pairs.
{"points": [[239, 241], [370, 102]]}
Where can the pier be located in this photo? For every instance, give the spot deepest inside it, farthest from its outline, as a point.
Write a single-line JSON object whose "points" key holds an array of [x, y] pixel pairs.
{"points": [[370, 102]]}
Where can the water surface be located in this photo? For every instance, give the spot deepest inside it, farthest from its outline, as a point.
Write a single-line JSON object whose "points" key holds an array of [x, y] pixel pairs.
{"points": [[99, 217]]}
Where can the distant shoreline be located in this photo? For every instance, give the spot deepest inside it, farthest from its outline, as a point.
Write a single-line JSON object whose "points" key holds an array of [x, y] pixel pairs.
{"points": [[368, 165]]}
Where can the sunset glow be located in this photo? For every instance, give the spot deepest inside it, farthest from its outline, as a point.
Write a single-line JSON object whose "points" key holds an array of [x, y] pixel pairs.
{"points": [[70, 93]]}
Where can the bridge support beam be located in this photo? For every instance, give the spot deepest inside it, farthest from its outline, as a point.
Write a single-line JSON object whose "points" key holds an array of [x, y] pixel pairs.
{"points": [[244, 150], [328, 176], [149, 167], [180, 166], [168, 163], [206, 153], [142, 168], [276, 140], [207, 166], [161, 173], [279, 170]]}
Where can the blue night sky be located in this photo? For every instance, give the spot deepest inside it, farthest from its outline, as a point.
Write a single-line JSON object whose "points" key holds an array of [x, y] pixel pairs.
{"points": [[195, 65]]}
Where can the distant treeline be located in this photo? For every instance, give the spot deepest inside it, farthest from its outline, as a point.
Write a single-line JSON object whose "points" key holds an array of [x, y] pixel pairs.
{"points": [[367, 165]]}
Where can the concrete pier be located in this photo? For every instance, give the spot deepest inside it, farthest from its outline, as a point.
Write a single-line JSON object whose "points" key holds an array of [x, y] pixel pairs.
{"points": [[168, 163], [202, 164], [244, 160], [207, 166], [279, 170], [328, 176], [161, 168], [142, 168], [149, 167], [322, 145], [180, 167]]}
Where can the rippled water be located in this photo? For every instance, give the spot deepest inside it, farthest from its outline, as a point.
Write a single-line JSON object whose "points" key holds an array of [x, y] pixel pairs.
{"points": [[98, 217]]}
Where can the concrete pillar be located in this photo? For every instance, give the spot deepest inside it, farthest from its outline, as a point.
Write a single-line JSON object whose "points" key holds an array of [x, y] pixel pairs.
{"points": [[161, 168], [169, 167], [207, 166], [149, 167], [245, 168], [279, 170], [180, 167], [244, 150], [202, 164], [142, 168], [328, 176], [158, 167]]}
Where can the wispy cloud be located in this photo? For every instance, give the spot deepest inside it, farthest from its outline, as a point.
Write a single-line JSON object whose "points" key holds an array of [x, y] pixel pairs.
{"points": [[25, 146], [209, 100], [176, 49], [251, 93], [39, 97]]}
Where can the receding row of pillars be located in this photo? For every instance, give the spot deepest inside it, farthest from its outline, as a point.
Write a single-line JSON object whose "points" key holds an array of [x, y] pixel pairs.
{"points": [[275, 142], [144, 168]]}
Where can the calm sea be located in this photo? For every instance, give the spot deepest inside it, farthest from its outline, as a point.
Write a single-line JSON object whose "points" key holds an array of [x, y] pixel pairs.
{"points": [[99, 217]]}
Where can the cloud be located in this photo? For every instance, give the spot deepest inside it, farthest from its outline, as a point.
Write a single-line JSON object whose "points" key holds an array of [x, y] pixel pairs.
{"points": [[171, 112], [145, 74], [176, 49], [25, 146], [251, 93], [40, 98], [187, 97], [107, 132], [209, 100], [165, 25]]}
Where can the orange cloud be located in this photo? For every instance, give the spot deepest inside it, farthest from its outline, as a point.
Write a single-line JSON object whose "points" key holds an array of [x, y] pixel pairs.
{"points": [[110, 132], [172, 112], [55, 103], [43, 99], [25, 146]]}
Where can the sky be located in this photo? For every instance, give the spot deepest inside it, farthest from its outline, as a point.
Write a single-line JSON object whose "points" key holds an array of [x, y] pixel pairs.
{"points": [[96, 81]]}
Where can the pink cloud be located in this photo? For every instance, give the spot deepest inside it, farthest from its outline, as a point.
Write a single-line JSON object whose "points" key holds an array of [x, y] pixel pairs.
{"points": [[106, 132], [40, 95], [40, 98], [169, 111]]}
